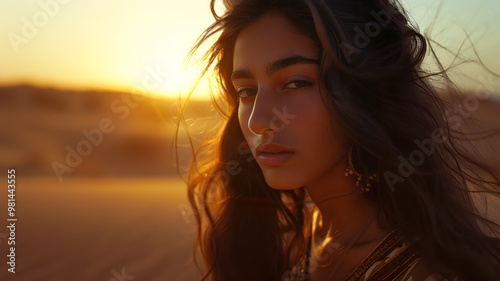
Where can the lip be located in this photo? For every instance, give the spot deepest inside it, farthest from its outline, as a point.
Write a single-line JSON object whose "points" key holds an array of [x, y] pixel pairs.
{"points": [[272, 154]]}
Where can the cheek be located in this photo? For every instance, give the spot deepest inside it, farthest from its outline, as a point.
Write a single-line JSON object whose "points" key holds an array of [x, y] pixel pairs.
{"points": [[321, 134], [243, 116]]}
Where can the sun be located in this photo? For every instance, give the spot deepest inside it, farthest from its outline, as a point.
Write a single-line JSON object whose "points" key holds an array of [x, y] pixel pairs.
{"points": [[173, 82]]}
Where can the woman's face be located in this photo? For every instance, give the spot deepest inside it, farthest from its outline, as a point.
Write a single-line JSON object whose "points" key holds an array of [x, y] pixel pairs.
{"points": [[281, 112]]}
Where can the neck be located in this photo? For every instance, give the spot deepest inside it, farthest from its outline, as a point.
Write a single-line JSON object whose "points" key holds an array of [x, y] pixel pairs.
{"points": [[343, 208]]}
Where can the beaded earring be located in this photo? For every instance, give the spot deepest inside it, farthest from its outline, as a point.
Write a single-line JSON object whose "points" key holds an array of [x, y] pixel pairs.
{"points": [[363, 181]]}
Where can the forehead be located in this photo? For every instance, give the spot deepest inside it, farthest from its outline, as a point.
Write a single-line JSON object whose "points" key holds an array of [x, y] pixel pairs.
{"points": [[268, 39]]}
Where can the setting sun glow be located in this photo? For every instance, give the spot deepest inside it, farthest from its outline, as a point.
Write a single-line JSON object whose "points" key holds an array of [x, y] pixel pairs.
{"points": [[117, 45]]}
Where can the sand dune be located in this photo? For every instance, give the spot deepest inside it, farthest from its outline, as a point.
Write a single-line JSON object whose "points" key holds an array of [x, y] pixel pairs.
{"points": [[40, 126]]}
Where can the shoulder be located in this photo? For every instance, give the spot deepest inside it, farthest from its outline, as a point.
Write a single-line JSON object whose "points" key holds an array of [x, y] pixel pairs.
{"points": [[398, 259], [420, 272], [416, 271]]}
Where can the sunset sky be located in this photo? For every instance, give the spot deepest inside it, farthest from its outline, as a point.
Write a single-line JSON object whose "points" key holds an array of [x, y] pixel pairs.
{"points": [[82, 44]]}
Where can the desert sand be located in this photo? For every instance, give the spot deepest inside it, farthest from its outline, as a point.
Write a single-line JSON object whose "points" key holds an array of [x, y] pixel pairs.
{"points": [[100, 229]]}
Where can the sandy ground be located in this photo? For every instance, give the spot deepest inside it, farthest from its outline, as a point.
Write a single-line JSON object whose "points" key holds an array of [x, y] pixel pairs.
{"points": [[100, 229]]}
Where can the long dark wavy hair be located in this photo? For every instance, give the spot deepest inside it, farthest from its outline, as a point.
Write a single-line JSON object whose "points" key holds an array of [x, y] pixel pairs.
{"points": [[388, 107]]}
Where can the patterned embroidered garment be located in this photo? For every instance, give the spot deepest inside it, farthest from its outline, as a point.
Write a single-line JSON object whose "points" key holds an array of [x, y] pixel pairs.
{"points": [[388, 261]]}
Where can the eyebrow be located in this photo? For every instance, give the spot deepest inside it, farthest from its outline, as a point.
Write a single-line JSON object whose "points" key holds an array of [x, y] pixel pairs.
{"points": [[275, 66]]}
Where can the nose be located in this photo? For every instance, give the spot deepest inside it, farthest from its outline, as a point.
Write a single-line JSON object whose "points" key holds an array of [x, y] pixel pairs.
{"points": [[263, 119]]}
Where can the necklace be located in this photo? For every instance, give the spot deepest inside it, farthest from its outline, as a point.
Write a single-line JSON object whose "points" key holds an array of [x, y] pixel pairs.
{"points": [[301, 272], [331, 248], [335, 197], [392, 268]]}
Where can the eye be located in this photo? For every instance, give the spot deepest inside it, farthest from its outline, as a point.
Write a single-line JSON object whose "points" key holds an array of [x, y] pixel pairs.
{"points": [[297, 84], [245, 92]]}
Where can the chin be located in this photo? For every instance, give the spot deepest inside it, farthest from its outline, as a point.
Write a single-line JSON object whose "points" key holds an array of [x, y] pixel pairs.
{"points": [[282, 181]]}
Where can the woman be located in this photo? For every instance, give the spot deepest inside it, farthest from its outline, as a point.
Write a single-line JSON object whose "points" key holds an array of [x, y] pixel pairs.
{"points": [[327, 102]]}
